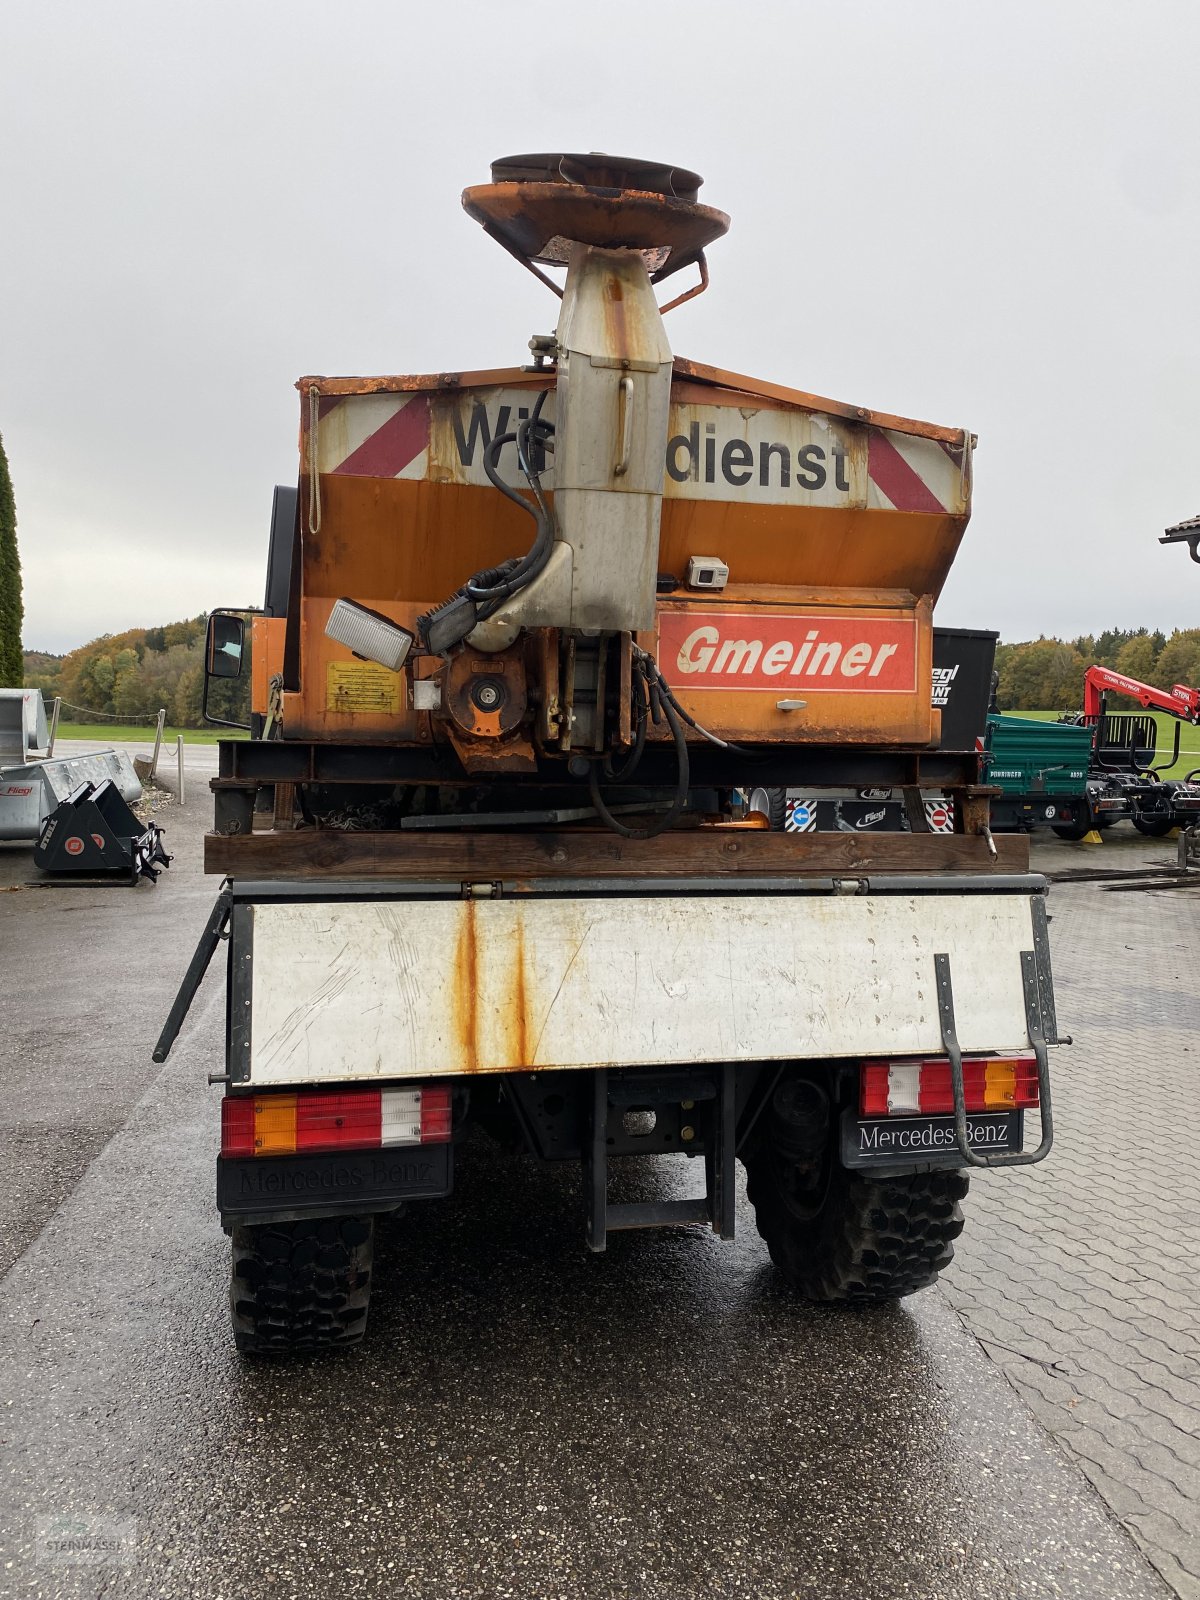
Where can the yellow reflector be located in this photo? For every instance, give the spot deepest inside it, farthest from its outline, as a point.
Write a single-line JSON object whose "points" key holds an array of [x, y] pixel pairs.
{"points": [[999, 1085], [275, 1125]]}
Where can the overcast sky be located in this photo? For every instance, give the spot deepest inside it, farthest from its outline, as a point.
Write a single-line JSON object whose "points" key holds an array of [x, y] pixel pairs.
{"points": [[977, 214]]}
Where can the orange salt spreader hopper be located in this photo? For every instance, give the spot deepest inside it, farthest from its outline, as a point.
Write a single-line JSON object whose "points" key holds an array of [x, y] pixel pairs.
{"points": [[538, 542]]}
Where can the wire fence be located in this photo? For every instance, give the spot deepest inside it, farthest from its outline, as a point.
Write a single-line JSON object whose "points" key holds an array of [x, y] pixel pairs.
{"points": [[88, 715]]}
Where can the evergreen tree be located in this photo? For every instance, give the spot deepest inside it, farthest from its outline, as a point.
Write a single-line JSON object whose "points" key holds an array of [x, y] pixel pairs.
{"points": [[12, 664]]}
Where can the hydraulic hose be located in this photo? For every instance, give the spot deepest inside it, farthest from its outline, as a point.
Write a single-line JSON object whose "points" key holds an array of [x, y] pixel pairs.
{"points": [[641, 711], [500, 583], [681, 788], [484, 592], [651, 668]]}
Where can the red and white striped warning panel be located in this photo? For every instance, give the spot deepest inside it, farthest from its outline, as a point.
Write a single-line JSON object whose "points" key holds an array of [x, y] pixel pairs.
{"points": [[716, 453], [908, 473], [375, 435]]}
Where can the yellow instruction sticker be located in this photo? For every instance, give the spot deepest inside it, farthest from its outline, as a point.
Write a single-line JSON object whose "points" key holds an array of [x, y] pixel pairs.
{"points": [[361, 687]]}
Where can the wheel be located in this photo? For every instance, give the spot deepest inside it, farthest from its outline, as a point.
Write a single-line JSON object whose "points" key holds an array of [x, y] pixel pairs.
{"points": [[773, 804], [1153, 827], [842, 1235], [301, 1285], [1071, 830]]}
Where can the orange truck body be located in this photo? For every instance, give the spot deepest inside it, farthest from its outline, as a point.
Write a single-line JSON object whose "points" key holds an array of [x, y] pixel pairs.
{"points": [[838, 526]]}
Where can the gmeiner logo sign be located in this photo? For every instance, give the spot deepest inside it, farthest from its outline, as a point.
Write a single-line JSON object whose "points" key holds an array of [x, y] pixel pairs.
{"points": [[830, 654]]}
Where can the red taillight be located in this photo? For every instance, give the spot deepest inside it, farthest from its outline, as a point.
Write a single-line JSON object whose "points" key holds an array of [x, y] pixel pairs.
{"points": [[1027, 1089], [284, 1123], [237, 1126], [873, 1081], [330, 1121], [922, 1088], [936, 1093], [436, 1114]]}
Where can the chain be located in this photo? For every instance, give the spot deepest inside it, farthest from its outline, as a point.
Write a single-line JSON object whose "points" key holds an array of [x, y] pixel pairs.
{"points": [[109, 716]]}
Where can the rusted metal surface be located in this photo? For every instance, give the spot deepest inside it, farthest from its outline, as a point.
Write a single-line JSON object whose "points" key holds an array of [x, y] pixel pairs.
{"points": [[485, 699], [486, 695], [538, 206], [696, 289], [972, 808], [597, 170], [541, 221], [266, 657], [738, 385], [402, 383], [358, 989], [778, 393]]}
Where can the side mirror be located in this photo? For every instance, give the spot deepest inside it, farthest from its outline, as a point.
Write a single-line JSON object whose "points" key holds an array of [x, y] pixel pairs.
{"points": [[225, 646], [225, 659]]}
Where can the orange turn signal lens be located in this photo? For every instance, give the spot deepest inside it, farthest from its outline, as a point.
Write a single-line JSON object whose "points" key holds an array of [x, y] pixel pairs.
{"points": [[999, 1085], [275, 1125]]}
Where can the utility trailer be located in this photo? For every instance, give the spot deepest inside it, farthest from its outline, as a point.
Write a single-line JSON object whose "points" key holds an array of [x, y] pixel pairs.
{"points": [[1127, 776], [540, 624]]}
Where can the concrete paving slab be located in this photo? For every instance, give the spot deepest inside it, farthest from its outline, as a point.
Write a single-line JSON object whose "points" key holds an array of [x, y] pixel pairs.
{"points": [[1085, 1267], [525, 1418]]}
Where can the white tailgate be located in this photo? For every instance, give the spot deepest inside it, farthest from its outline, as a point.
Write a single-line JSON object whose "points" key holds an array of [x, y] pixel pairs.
{"points": [[398, 988]]}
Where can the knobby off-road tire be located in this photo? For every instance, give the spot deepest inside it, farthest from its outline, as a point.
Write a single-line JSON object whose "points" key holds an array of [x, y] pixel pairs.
{"points": [[858, 1237], [301, 1285], [1154, 827]]}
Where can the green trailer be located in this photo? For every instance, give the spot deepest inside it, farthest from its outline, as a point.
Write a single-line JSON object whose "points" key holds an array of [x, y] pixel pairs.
{"points": [[1041, 769]]}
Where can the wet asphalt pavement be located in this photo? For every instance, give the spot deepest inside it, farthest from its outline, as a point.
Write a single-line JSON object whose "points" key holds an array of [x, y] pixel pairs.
{"points": [[524, 1418]]}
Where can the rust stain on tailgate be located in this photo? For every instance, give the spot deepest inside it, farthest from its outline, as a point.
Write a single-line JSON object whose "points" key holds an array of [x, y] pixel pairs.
{"points": [[492, 1034], [466, 988]]}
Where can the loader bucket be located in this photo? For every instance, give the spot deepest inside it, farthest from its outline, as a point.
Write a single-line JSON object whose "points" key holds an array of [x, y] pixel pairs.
{"points": [[94, 831]]}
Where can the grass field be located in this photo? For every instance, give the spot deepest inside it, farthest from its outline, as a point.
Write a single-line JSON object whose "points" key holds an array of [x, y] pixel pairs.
{"points": [[1189, 736], [116, 733]]}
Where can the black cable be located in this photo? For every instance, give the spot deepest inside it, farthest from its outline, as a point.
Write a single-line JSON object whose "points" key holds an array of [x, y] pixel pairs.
{"points": [[482, 595], [544, 433], [499, 583], [668, 693], [641, 713], [681, 788]]}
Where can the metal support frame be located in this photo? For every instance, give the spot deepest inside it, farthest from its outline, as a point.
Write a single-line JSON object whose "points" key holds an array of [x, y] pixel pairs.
{"points": [[719, 1157], [1037, 1039], [717, 1206], [214, 932], [248, 763]]}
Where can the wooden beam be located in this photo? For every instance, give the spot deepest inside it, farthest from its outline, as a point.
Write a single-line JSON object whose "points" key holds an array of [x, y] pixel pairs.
{"points": [[310, 853]]}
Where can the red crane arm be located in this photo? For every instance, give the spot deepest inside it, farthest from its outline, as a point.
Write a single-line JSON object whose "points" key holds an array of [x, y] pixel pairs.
{"points": [[1180, 701]]}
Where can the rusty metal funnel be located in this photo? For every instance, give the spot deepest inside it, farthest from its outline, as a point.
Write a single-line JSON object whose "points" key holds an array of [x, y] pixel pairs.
{"points": [[538, 206]]}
